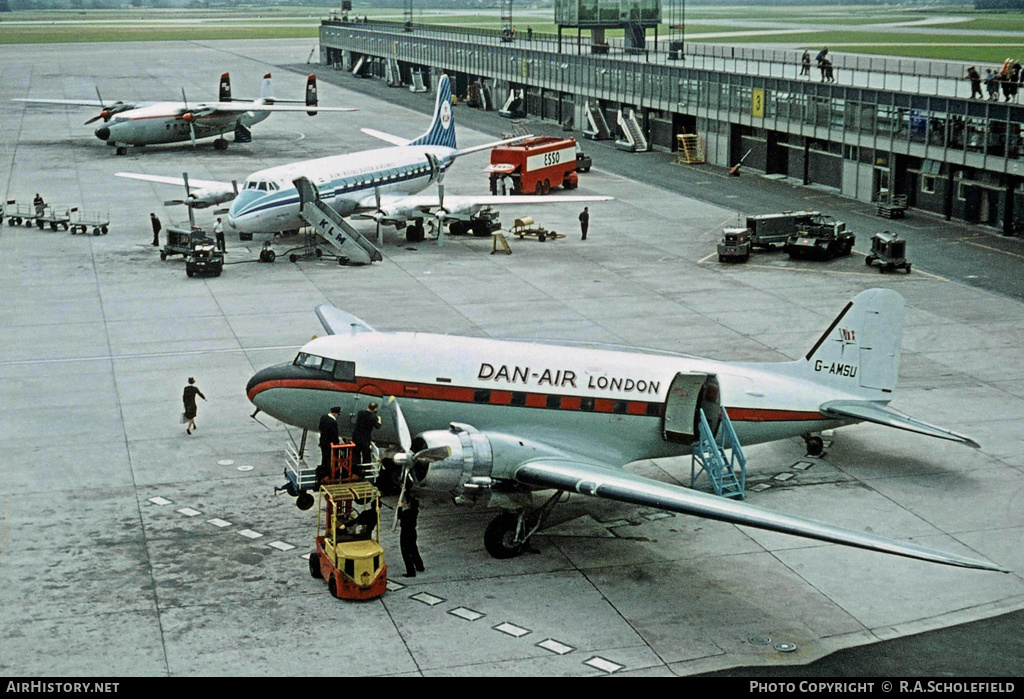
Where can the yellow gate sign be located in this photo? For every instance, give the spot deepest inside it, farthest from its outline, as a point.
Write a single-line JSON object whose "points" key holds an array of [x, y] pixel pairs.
{"points": [[757, 102]]}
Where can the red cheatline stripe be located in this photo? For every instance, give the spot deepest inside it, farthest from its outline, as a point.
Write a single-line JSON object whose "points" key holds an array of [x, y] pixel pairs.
{"points": [[454, 394]]}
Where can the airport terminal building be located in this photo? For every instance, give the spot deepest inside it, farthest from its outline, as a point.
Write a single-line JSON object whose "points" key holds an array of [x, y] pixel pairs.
{"points": [[881, 127]]}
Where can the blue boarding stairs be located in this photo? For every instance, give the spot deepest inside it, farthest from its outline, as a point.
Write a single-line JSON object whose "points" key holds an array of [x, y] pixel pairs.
{"points": [[723, 461]]}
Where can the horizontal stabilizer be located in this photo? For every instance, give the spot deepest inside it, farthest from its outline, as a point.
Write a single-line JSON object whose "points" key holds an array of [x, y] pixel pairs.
{"points": [[588, 479], [339, 322], [386, 137], [868, 411]]}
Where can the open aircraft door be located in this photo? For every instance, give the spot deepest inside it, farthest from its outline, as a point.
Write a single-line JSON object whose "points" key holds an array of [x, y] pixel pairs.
{"points": [[687, 394]]}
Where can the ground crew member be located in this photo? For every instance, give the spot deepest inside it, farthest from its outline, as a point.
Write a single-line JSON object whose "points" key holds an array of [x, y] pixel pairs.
{"points": [[328, 436], [366, 422], [585, 221], [408, 511], [218, 235], [155, 222]]}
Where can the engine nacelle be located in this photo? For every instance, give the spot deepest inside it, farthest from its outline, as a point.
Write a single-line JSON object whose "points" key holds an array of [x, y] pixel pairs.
{"points": [[466, 470]]}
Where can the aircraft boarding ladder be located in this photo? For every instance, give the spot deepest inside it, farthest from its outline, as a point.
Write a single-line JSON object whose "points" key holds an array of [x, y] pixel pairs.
{"points": [[728, 474], [634, 136], [357, 69], [392, 72], [329, 225], [417, 82], [597, 127]]}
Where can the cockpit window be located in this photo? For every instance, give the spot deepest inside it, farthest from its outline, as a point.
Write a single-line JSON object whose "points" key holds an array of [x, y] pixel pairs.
{"points": [[340, 370]]}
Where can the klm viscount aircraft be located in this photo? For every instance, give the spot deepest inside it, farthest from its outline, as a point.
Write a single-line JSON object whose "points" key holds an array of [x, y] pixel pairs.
{"points": [[496, 420], [149, 123], [382, 184]]}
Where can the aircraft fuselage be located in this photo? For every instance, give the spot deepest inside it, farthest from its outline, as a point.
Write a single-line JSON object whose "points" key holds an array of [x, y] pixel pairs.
{"points": [[269, 202], [162, 122], [576, 399]]}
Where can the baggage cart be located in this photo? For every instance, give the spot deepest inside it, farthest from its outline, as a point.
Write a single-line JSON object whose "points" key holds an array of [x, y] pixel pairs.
{"points": [[180, 241], [83, 222]]}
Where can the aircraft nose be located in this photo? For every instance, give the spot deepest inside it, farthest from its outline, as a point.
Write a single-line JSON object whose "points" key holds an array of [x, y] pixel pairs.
{"points": [[264, 380], [103, 133]]}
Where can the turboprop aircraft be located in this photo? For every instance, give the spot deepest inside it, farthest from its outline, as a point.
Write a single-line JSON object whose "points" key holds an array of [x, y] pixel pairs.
{"points": [[382, 184], [495, 420], [148, 123]]}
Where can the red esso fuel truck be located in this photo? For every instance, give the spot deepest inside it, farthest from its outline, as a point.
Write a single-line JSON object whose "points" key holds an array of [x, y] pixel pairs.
{"points": [[533, 166]]}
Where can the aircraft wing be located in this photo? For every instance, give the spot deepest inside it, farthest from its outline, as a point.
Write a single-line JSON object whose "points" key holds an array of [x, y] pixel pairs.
{"points": [[588, 479], [179, 181], [74, 103], [261, 107], [869, 411], [463, 203]]}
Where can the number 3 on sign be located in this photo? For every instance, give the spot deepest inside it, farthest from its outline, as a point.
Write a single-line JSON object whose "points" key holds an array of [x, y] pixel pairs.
{"points": [[757, 102]]}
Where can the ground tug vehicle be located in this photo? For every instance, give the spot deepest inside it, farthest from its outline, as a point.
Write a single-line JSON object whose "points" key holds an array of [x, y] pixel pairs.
{"points": [[535, 165], [204, 259], [735, 245], [347, 552], [889, 251], [822, 238]]}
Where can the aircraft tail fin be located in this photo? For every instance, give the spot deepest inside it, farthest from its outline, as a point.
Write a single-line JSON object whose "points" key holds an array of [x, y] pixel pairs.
{"points": [[442, 127], [860, 350], [225, 87], [266, 90]]}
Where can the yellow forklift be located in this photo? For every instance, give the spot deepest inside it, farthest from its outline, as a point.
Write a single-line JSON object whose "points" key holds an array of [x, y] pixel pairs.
{"points": [[348, 553]]}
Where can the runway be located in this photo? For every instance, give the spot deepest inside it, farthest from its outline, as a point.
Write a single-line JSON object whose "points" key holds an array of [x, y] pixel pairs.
{"points": [[128, 548]]}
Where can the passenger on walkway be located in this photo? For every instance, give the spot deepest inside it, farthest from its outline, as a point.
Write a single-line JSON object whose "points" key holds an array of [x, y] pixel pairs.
{"points": [[1016, 77], [328, 436], [805, 63], [821, 56], [975, 77], [188, 397], [992, 84], [584, 221], [826, 71], [408, 511], [155, 222]]}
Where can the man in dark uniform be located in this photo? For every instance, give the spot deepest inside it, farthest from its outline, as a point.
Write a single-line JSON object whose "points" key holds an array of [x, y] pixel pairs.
{"points": [[584, 221], [366, 422], [155, 222], [328, 436], [408, 511]]}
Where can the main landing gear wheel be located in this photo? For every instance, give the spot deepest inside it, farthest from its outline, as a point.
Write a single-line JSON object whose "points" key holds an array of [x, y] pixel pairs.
{"points": [[501, 534], [221, 144], [815, 445]]}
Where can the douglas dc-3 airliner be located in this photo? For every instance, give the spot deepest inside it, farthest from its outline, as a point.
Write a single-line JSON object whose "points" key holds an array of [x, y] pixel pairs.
{"points": [[382, 183], [496, 420], [149, 123]]}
